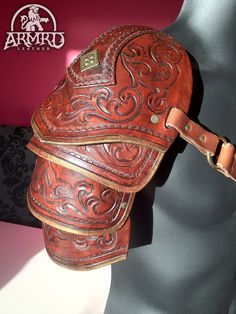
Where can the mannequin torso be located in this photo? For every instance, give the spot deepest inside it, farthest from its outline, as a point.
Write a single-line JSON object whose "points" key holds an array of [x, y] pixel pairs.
{"points": [[191, 264]]}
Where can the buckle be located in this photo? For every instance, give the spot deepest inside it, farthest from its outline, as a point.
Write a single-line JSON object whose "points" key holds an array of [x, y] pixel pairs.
{"points": [[210, 158]]}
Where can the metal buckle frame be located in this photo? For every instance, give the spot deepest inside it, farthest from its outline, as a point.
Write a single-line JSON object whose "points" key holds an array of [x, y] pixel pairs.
{"points": [[210, 158]]}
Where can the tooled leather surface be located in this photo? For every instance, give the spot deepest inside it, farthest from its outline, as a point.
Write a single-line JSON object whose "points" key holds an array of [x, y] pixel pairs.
{"points": [[100, 132], [84, 252], [72, 201], [124, 166], [109, 44], [152, 73]]}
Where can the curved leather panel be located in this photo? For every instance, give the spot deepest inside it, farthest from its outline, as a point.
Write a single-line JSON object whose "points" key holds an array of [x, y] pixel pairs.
{"points": [[122, 166], [71, 202], [109, 45], [100, 136], [83, 252], [152, 74]]}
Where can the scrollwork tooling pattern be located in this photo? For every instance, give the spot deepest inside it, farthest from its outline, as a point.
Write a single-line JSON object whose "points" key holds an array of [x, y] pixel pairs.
{"points": [[84, 251], [149, 67], [80, 196], [75, 201], [151, 70], [83, 242]]}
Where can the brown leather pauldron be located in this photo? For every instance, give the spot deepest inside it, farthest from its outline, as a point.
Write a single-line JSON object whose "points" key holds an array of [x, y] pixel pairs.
{"points": [[100, 137]]}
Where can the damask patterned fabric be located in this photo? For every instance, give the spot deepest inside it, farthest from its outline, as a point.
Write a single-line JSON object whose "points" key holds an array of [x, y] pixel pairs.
{"points": [[16, 166]]}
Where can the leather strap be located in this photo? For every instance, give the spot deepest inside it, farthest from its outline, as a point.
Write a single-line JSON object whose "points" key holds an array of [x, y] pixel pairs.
{"points": [[205, 141]]}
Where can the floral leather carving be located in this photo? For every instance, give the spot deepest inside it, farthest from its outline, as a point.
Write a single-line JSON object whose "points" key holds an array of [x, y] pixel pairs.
{"points": [[81, 205], [86, 224], [146, 72], [100, 137]]}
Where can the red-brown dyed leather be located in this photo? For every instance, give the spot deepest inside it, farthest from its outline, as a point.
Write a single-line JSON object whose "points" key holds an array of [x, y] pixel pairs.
{"points": [[72, 202], [226, 162], [122, 166], [142, 72], [82, 252], [87, 223], [99, 137], [205, 141]]}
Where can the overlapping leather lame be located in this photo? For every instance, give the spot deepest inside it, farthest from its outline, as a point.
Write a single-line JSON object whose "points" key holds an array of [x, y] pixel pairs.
{"points": [[72, 202], [142, 73], [100, 137], [82, 252], [86, 224], [124, 166]]}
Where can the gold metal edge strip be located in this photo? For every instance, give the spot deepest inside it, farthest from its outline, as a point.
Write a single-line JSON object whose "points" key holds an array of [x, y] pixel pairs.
{"points": [[87, 267], [96, 139], [95, 177]]}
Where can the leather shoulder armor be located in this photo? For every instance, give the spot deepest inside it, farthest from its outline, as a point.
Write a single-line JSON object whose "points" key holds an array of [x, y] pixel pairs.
{"points": [[101, 135]]}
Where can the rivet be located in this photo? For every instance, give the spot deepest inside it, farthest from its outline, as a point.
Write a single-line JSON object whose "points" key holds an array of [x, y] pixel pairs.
{"points": [[123, 205], [187, 127], [154, 118], [202, 138]]}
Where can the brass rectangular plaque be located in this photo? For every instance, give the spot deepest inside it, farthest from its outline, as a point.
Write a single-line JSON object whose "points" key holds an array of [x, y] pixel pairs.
{"points": [[89, 60]]}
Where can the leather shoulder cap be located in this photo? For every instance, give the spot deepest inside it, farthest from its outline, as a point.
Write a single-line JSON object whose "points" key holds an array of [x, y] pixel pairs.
{"points": [[120, 89]]}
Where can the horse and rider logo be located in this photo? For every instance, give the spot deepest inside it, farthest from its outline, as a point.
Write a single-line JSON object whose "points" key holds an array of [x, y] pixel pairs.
{"points": [[28, 29]]}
